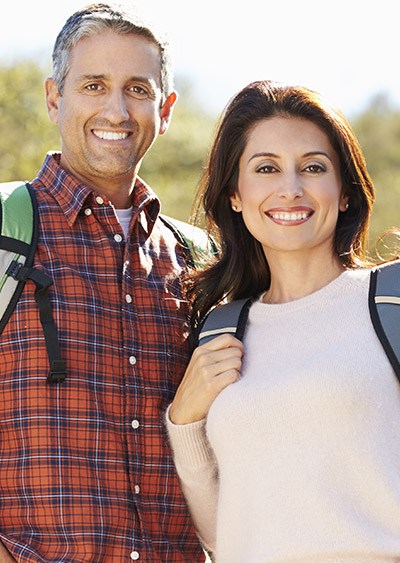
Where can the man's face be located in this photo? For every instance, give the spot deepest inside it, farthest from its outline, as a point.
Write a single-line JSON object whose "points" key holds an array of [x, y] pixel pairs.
{"points": [[110, 110]]}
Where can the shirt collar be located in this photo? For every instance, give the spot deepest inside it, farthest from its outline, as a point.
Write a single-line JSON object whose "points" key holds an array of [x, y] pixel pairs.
{"points": [[71, 194]]}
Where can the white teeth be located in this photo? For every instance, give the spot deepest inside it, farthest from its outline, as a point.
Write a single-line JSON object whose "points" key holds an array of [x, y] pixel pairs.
{"points": [[281, 216], [109, 136]]}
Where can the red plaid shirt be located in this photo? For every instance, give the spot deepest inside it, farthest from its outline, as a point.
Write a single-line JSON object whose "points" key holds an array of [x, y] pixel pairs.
{"points": [[85, 470]]}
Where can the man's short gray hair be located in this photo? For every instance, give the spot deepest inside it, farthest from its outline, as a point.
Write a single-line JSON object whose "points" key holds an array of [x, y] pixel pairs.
{"points": [[97, 18]]}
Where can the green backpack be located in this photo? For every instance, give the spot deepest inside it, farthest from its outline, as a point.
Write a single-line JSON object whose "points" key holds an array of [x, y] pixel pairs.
{"points": [[384, 308], [18, 240]]}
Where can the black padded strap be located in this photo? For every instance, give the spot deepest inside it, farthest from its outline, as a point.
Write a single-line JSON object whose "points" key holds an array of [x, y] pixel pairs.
{"points": [[242, 321], [381, 313], [57, 371], [14, 245]]}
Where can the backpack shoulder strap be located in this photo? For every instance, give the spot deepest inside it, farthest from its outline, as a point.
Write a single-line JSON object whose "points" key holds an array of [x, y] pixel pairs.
{"points": [[384, 306], [18, 237], [18, 240], [229, 318], [195, 242]]}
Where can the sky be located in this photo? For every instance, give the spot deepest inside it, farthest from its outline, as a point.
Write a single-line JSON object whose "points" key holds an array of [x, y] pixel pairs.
{"points": [[349, 50]]}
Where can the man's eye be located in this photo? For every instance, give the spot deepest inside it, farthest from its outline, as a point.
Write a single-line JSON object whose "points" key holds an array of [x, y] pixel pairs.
{"points": [[93, 87], [139, 92]]}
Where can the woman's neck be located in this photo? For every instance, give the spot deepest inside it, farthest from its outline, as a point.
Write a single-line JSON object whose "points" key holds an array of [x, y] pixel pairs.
{"points": [[294, 278]]}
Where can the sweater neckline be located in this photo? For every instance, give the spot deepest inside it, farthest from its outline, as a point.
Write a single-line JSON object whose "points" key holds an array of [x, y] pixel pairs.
{"points": [[345, 281]]}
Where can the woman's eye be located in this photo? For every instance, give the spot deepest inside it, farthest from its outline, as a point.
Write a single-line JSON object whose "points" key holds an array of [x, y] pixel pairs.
{"points": [[315, 168], [266, 169]]}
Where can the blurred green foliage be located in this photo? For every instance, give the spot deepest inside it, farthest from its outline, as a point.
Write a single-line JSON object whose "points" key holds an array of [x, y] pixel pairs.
{"points": [[378, 130], [174, 164], [26, 133]]}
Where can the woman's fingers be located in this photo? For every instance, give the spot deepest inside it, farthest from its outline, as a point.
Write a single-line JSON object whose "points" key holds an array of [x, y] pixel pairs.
{"points": [[213, 367], [212, 362]]}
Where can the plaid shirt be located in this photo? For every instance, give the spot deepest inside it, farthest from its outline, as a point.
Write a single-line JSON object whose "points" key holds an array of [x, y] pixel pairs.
{"points": [[85, 469]]}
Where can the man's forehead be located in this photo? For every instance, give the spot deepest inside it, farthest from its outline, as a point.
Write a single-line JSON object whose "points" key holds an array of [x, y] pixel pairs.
{"points": [[114, 55]]}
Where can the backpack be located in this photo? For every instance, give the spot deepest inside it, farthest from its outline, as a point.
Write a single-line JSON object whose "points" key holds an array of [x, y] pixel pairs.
{"points": [[384, 308], [18, 239]]}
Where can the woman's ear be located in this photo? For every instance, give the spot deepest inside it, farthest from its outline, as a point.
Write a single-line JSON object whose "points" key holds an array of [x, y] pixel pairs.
{"points": [[236, 204], [344, 203]]}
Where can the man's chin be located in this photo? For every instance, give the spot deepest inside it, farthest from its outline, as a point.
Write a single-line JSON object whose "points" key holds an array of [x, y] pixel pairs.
{"points": [[113, 170]]}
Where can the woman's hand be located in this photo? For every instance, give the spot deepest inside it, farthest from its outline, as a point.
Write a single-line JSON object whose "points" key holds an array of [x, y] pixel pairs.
{"points": [[213, 367]]}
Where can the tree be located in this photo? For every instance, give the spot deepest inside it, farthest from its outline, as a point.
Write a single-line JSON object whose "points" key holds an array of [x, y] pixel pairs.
{"points": [[26, 132], [174, 165], [378, 129]]}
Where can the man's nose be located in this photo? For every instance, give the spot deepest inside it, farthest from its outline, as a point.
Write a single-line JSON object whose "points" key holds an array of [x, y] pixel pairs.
{"points": [[115, 108]]}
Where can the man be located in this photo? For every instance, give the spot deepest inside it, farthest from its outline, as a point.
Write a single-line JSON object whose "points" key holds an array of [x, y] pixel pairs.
{"points": [[85, 471]]}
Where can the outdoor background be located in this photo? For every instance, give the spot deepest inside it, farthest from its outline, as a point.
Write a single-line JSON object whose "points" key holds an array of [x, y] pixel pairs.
{"points": [[347, 49]]}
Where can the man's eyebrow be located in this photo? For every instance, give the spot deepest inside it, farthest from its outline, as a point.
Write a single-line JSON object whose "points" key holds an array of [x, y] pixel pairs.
{"points": [[143, 79], [83, 77]]}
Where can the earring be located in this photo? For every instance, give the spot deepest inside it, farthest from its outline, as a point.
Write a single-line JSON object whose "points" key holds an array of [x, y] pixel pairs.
{"points": [[347, 206], [234, 208]]}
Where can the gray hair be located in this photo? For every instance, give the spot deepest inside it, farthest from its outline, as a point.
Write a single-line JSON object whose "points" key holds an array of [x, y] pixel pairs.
{"points": [[96, 18]]}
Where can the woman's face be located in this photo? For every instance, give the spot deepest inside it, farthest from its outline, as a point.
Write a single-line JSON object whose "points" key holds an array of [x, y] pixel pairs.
{"points": [[289, 186]]}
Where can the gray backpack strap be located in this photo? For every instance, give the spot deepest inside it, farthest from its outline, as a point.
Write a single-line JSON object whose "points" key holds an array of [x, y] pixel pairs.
{"points": [[230, 318], [16, 236], [384, 306]]}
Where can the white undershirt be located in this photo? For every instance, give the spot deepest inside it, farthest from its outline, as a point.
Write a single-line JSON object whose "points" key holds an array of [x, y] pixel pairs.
{"points": [[124, 217]]}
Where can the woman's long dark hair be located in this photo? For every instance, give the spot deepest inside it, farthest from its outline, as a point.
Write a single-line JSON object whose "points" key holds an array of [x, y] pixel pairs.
{"points": [[241, 269]]}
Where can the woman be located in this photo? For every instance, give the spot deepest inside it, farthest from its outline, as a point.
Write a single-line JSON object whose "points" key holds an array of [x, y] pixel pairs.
{"points": [[288, 446]]}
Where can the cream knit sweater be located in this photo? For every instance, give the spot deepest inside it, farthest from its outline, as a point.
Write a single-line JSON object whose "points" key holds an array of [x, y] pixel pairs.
{"points": [[306, 443]]}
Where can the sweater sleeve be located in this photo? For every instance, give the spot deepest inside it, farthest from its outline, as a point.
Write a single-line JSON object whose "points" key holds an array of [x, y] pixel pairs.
{"points": [[197, 470]]}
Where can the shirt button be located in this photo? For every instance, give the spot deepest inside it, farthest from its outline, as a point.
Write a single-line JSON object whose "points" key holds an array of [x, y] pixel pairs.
{"points": [[117, 238], [88, 211], [137, 489], [132, 360], [99, 200], [135, 424], [135, 555], [128, 298]]}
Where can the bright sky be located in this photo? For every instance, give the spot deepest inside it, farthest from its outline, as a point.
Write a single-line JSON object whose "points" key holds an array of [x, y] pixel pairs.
{"points": [[349, 50]]}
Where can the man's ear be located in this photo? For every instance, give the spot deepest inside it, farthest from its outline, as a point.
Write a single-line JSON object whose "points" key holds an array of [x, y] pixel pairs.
{"points": [[52, 97], [166, 112]]}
